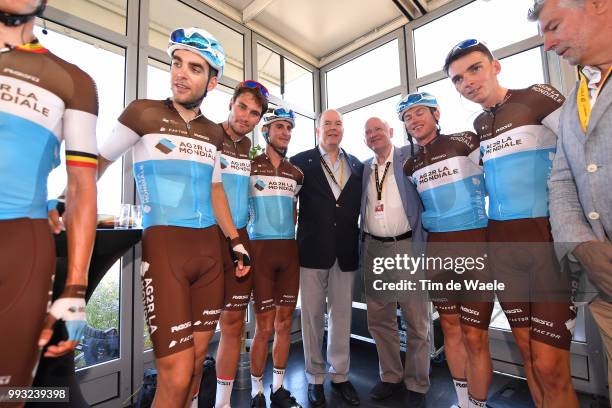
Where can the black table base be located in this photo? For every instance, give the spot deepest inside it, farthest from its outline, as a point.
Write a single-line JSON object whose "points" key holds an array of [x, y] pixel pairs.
{"points": [[110, 245]]}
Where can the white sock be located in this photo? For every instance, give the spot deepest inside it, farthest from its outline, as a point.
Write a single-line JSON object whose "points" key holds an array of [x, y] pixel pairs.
{"points": [[461, 387], [277, 378], [474, 403], [194, 401], [256, 385], [224, 393]]}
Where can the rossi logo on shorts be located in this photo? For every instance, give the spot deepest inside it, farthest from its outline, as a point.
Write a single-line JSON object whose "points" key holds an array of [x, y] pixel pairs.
{"points": [[180, 327]]}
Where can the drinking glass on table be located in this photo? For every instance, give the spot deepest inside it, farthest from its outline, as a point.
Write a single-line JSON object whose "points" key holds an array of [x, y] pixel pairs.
{"points": [[136, 216], [125, 216]]}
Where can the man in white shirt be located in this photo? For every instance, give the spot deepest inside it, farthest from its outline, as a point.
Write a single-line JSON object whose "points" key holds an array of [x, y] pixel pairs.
{"points": [[391, 225]]}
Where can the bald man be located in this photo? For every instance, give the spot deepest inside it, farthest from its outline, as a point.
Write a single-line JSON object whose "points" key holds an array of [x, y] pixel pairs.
{"points": [[391, 225], [328, 240]]}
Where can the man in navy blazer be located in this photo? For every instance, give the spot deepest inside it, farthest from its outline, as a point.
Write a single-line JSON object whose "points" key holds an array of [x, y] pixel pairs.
{"points": [[328, 240], [391, 225]]}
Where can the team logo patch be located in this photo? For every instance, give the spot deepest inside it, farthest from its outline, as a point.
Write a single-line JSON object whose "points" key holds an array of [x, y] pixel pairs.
{"points": [[224, 163], [165, 146], [260, 185]]}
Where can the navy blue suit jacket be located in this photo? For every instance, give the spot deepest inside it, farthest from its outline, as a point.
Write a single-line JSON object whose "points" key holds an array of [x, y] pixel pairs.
{"points": [[328, 228]]}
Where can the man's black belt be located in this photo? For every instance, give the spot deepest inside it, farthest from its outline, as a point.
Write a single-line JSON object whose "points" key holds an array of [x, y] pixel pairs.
{"points": [[401, 237]]}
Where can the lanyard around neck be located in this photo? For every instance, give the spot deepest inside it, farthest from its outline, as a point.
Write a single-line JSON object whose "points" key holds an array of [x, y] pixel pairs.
{"points": [[331, 174], [583, 100], [379, 185]]}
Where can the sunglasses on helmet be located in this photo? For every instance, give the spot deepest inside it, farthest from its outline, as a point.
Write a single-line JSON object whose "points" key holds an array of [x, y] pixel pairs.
{"points": [[255, 85]]}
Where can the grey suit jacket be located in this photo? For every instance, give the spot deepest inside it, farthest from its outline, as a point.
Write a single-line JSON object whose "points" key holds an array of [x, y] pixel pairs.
{"points": [[410, 198], [580, 184]]}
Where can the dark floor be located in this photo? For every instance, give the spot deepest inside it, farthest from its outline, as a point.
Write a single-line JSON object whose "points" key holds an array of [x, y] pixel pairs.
{"points": [[505, 392]]}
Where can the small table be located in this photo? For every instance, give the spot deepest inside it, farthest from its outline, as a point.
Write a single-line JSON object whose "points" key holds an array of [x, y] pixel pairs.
{"points": [[110, 245]]}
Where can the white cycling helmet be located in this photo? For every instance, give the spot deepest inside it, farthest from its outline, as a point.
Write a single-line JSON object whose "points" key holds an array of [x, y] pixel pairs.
{"points": [[201, 42], [415, 99], [279, 114]]}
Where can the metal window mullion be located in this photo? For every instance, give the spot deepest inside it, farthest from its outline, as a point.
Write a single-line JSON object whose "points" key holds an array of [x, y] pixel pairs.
{"points": [[136, 86], [410, 59], [282, 76]]}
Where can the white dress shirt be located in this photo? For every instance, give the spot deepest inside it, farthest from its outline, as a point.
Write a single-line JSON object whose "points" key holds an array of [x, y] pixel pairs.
{"points": [[340, 169], [392, 221], [593, 76]]}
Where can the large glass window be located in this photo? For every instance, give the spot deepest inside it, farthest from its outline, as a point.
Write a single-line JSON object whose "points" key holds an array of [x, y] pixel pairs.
{"points": [[303, 135], [354, 126], [458, 114], [163, 22], [109, 14], [106, 65], [299, 88], [496, 22], [285, 79], [269, 70], [363, 76]]}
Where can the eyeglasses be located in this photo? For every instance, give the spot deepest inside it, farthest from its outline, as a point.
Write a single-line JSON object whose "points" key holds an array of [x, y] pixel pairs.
{"points": [[249, 83]]}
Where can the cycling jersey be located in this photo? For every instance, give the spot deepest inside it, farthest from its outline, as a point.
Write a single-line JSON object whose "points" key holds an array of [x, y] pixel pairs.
{"points": [[518, 147], [174, 162], [43, 100], [235, 172], [272, 195], [450, 183]]}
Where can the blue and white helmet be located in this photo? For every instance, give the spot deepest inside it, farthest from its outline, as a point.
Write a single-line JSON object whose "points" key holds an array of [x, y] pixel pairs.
{"points": [[279, 114], [415, 99], [201, 42]]}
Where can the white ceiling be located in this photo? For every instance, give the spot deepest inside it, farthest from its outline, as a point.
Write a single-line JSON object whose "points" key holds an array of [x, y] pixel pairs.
{"points": [[318, 30], [322, 26]]}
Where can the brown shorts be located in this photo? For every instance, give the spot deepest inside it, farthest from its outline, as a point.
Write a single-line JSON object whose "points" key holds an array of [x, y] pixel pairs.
{"points": [[237, 290], [276, 273], [182, 284], [473, 306], [538, 294], [27, 265]]}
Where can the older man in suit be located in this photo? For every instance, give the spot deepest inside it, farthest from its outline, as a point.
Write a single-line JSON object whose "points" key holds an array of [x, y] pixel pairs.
{"points": [[391, 225], [328, 240], [579, 186]]}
